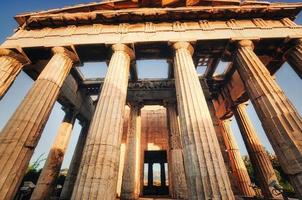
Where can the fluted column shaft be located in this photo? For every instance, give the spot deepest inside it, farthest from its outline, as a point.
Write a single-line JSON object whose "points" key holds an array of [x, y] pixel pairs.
{"points": [[21, 134], [10, 66], [131, 173], [98, 175], [74, 164], [219, 133], [294, 57], [204, 166], [261, 163], [280, 120], [238, 167], [178, 179], [47, 179]]}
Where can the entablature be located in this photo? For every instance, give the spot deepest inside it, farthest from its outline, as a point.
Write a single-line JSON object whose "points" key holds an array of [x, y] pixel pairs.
{"points": [[147, 91], [205, 29], [151, 91]]}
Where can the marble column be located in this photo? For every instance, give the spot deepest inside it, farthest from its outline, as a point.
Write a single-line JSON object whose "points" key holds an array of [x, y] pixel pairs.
{"points": [[219, 133], [11, 64], [204, 166], [294, 57], [176, 165], [74, 164], [150, 175], [280, 120], [22, 132], [262, 165], [51, 170], [131, 173], [98, 175], [162, 175], [239, 170]]}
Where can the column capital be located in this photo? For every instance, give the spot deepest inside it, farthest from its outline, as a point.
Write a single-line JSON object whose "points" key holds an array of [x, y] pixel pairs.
{"points": [[297, 41], [65, 52], [17, 56], [245, 43], [136, 105], [183, 45], [84, 123], [171, 103], [243, 105], [70, 114], [236, 105], [124, 48], [227, 121]]}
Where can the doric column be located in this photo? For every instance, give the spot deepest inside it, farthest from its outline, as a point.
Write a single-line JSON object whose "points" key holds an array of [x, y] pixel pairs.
{"points": [[280, 120], [131, 173], [204, 166], [150, 175], [11, 64], [21, 134], [219, 133], [261, 163], [98, 175], [47, 179], [294, 57], [162, 175], [176, 166], [238, 167], [74, 164]]}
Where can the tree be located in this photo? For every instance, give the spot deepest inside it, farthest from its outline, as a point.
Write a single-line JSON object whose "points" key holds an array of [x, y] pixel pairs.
{"points": [[281, 176], [34, 170]]}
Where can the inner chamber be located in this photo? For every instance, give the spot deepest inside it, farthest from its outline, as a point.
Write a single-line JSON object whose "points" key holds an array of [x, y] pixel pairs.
{"points": [[154, 154]]}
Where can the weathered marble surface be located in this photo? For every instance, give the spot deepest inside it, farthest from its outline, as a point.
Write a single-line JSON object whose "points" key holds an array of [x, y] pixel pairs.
{"points": [[74, 164], [21, 134], [239, 170], [51, 169], [98, 175], [11, 64], [132, 166], [204, 166], [178, 189], [279, 118], [262, 165]]}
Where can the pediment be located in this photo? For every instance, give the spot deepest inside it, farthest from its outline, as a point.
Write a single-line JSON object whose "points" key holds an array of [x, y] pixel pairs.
{"points": [[136, 11], [125, 4]]}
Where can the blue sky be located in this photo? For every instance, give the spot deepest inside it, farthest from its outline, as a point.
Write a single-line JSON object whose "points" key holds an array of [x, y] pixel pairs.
{"points": [[286, 77]]}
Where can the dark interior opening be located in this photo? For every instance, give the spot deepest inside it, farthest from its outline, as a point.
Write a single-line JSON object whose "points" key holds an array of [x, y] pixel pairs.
{"points": [[155, 172]]}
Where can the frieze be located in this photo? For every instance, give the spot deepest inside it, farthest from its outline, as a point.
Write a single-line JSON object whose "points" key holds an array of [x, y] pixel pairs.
{"points": [[149, 27], [261, 23], [151, 85], [178, 26]]}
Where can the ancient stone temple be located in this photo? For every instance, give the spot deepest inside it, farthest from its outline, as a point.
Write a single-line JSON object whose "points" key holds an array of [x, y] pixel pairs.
{"points": [[165, 137]]}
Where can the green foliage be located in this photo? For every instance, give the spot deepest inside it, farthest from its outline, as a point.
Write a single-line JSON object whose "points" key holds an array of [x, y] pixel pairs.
{"points": [[281, 176], [34, 170]]}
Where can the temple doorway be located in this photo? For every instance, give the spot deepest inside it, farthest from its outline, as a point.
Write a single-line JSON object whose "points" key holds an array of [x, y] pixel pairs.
{"points": [[155, 173]]}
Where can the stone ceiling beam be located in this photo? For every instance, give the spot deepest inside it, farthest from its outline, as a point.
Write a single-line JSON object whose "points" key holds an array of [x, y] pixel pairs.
{"points": [[211, 68]]}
